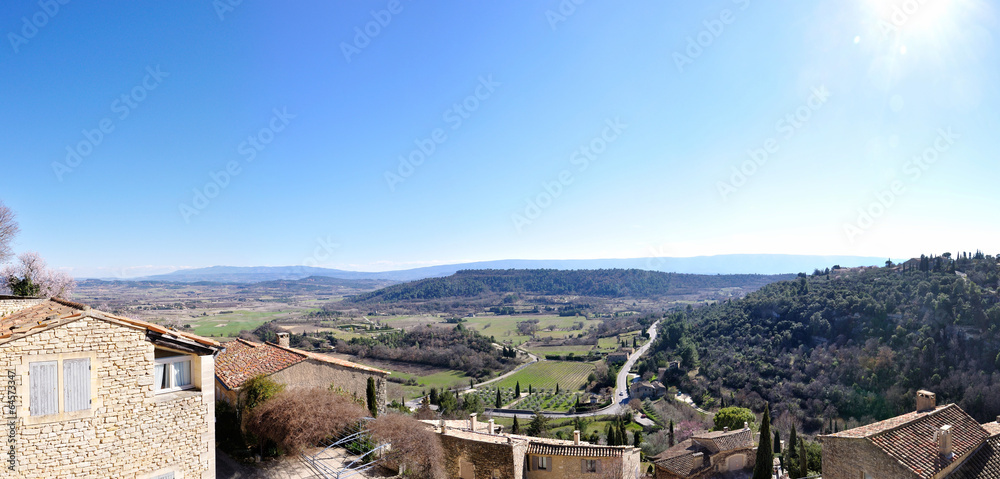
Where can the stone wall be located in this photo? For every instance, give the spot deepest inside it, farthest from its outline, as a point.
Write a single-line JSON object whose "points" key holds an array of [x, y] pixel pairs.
{"points": [[846, 458], [571, 467], [488, 457], [318, 374], [128, 432], [13, 304], [718, 465]]}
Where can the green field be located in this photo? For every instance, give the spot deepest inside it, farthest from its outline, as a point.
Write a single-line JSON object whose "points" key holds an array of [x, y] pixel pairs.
{"points": [[440, 381], [230, 324], [504, 328], [544, 375]]}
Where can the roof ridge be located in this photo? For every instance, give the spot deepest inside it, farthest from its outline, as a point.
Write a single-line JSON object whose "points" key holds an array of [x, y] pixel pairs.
{"points": [[914, 420], [66, 302]]}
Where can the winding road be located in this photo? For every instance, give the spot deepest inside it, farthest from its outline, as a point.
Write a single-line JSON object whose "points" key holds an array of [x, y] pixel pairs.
{"points": [[621, 388]]}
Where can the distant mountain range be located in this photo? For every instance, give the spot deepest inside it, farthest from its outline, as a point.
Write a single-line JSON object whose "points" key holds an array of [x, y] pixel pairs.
{"points": [[721, 264]]}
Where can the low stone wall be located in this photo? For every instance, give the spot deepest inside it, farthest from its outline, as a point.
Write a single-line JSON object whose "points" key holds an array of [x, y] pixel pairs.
{"points": [[318, 374], [12, 304], [505, 459]]}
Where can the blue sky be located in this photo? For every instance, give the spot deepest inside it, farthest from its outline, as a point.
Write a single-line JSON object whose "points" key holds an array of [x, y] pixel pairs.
{"points": [[598, 130]]}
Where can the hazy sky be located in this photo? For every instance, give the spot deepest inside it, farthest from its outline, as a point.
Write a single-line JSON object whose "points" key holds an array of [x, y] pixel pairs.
{"points": [[392, 134]]}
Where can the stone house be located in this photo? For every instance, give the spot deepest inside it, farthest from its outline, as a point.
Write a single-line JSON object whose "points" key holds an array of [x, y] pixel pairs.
{"points": [[708, 454], [617, 357], [294, 368], [932, 442], [474, 450], [92, 394], [647, 390]]}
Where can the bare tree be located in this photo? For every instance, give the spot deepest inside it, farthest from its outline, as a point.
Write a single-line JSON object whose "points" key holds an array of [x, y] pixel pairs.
{"points": [[413, 444], [8, 230], [30, 276], [299, 419]]}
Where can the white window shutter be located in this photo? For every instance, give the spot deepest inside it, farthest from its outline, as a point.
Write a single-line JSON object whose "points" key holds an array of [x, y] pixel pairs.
{"points": [[76, 384], [43, 382]]}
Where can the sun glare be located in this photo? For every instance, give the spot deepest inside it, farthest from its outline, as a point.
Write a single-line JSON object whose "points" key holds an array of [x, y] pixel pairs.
{"points": [[930, 20]]}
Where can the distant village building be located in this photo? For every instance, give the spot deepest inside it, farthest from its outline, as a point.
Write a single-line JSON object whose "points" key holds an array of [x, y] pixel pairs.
{"points": [[933, 442], [92, 394], [294, 368], [618, 357], [708, 454], [647, 390], [475, 450]]}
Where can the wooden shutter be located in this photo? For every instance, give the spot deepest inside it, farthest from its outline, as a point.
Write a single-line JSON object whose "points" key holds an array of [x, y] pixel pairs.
{"points": [[43, 379], [76, 384], [534, 463], [583, 465]]}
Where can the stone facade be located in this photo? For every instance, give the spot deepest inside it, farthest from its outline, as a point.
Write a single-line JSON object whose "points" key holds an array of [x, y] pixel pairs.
{"points": [[845, 458], [316, 374], [11, 304], [468, 458], [128, 431]]}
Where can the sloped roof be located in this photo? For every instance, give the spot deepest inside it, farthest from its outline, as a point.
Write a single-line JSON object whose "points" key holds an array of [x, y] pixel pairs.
{"points": [[243, 360], [983, 464], [582, 450], [909, 439], [729, 440], [56, 312], [684, 459]]}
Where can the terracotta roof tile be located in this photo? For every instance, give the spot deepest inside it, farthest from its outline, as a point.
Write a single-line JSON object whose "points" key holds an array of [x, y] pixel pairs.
{"points": [[983, 464], [684, 459], [992, 428], [909, 438], [729, 440], [332, 360], [583, 450], [35, 315], [243, 360]]}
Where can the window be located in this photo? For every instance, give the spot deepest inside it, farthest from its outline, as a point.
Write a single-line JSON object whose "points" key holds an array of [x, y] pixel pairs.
{"points": [[543, 463], [44, 384], [172, 373], [589, 465]]}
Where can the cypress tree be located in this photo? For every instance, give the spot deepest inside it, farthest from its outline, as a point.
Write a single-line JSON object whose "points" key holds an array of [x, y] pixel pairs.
{"points": [[499, 402], [515, 428], [803, 460], [372, 400], [610, 433], [765, 453], [777, 442], [637, 438], [517, 390], [671, 433]]}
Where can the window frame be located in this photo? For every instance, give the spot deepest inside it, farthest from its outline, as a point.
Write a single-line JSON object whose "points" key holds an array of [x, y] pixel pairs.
{"points": [[89, 383], [168, 363], [589, 466], [543, 463]]}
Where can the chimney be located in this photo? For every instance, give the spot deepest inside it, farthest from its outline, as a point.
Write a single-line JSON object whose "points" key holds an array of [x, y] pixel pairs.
{"points": [[492, 428], [746, 425], [725, 429], [283, 340], [472, 422], [442, 425], [943, 438], [926, 401], [576, 438]]}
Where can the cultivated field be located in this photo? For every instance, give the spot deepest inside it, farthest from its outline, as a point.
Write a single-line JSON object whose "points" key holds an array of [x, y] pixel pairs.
{"points": [[544, 375]]}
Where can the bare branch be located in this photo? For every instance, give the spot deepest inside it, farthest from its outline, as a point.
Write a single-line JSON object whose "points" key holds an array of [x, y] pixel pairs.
{"points": [[8, 230]]}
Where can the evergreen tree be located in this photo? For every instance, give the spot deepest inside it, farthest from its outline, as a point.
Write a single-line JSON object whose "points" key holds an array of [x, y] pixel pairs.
{"points": [[765, 453], [671, 433], [557, 388], [434, 396], [515, 428], [803, 460], [499, 402], [538, 425], [777, 442], [792, 453], [372, 397], [637, 438], [529, 390], [610, 433], [517, 390]]}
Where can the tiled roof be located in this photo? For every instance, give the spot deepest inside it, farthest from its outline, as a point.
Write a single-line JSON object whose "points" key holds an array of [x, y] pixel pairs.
{"points": [[983, 464], [332, 360], [909, 438], [684, 459], [243, 360], [55, 312], [992, 428], [729, 440], [583, 450]]}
